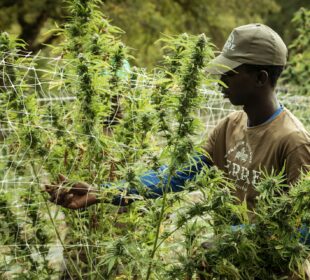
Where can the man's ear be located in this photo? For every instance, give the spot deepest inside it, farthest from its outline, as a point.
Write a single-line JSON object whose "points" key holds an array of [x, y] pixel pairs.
{"points": [[262, 78]]}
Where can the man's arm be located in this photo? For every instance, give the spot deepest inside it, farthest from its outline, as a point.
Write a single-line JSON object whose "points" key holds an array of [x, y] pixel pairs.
{"points": [[82, 195], [156, 182]]}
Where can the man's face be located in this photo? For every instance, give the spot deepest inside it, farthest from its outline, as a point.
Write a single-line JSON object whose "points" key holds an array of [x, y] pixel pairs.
{"points": [[241, 88]]}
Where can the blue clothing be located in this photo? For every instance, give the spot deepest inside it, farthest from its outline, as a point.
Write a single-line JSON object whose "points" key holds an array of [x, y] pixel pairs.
{"points": [[156, 182], [304, 232], [152, 179]]}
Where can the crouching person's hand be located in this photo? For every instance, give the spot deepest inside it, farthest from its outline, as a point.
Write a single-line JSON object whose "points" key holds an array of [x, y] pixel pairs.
{"points": [[72, 196]]}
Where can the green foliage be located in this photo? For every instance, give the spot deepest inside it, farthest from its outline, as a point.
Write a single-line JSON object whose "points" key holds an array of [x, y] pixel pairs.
{"points": [[298, 69], [267, 248], [281, 19], [26, 229], [30, 20], [118, 126], [144, 21]]}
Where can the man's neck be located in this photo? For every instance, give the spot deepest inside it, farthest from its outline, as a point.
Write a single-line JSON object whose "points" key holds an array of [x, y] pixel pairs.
{"points": [[260, 111]]}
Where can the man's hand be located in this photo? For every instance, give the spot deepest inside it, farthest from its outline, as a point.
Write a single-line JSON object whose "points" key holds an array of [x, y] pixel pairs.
{"points": [[80, 195]]}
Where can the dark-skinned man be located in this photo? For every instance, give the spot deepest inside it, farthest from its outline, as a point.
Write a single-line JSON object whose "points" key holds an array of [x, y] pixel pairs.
{"points": [[265, 136]]}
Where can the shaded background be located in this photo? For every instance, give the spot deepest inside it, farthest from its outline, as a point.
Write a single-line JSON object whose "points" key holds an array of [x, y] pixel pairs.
{"points": [[145, 21]]}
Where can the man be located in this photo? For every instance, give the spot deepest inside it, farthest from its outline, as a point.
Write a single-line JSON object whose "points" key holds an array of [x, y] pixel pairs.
{"points": [[264, 137]]}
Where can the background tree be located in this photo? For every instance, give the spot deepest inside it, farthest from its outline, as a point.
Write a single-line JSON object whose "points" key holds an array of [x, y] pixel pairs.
{"points": [[31, 19], [145, 21], [281, 21]]}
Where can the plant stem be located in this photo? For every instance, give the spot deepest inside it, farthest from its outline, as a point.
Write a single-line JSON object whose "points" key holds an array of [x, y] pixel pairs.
{"points": [[161, 215], [155, 247], [55, 228]]}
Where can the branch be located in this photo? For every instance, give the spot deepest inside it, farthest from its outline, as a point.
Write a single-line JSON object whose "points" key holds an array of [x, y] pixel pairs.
{"points": [[43, 44], [30, 31], [9, 3]]}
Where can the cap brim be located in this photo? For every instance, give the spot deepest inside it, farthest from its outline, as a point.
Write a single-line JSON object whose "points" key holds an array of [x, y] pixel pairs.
{"points": [[221, 65]]}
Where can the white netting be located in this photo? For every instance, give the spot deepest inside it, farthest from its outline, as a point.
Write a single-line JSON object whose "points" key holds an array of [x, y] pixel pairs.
{"points": [[46, 82]]}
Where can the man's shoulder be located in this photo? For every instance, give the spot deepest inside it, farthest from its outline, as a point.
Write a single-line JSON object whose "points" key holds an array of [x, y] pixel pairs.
{"points": [[292, 121], [238, 114], [234, 121], [234, 118], [292, 130]]}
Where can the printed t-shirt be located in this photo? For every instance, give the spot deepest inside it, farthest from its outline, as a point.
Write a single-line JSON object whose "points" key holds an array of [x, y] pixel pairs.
{"points": [[243, 152]]}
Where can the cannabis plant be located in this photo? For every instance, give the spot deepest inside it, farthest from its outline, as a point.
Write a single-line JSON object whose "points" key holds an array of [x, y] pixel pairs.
{"points": [[116, 127]]}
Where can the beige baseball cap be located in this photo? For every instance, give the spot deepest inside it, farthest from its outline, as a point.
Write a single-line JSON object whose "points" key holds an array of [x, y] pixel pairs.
{"points": [[255, 44]]}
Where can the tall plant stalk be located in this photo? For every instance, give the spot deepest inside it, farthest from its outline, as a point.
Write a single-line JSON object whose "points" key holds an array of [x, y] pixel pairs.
{"points": [[180, 143]]}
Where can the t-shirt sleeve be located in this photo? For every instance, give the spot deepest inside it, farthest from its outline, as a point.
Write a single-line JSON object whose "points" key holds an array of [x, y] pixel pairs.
{"points": [[297, 161]]}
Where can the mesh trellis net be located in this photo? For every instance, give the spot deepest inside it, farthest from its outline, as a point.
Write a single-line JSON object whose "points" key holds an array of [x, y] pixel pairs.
{"points": [[39, 137]]}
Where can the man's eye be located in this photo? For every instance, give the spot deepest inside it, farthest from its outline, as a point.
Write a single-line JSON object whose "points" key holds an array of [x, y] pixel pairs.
{"points": [[229, 74]]}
